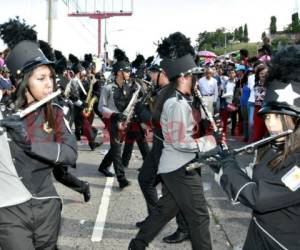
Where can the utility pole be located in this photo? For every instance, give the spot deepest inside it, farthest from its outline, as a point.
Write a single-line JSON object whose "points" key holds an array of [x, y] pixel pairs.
{"points": [[50, 20], [296, 6], [105, 45], [225, 42], [100, 15]]}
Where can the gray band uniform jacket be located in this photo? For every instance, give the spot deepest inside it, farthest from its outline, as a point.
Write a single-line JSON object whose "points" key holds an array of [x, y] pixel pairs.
{"points": [[177, 124], [276, 208], [25, 176], [114, 99]]}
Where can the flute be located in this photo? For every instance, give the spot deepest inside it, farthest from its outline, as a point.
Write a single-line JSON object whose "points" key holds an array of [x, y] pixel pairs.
{"points": [[33, 107], [248, 148]]}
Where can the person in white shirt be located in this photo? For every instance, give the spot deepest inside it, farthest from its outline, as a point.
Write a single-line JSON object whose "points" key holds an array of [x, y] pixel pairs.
{"points": [[209, 89]]}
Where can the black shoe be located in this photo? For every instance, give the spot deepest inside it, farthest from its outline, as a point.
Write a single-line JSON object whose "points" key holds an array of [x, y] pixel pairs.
{"points": [[139, 223], [176, 237], [105, 172], [137, 245], [95, 132], [87, 192], [94, 145], [124, 183]]}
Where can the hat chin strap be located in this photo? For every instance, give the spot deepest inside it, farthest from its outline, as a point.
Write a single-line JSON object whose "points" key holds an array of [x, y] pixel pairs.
{"points": [[123, 76], [157, 80], [29, 91]]}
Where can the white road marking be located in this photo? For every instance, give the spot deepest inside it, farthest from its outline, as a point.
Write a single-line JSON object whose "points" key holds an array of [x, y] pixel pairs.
{"points": [[102, 212]]}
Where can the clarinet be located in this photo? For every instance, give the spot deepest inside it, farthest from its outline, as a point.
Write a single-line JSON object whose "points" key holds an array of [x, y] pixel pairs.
{"points": [[223, 146]]}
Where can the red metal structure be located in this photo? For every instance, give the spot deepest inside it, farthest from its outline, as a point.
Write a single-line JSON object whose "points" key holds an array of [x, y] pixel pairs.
{"points": [[91, 9]]}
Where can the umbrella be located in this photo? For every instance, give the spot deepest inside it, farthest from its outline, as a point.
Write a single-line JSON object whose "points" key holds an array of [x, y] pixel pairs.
{"points": [[2, 62], [206, 53]]}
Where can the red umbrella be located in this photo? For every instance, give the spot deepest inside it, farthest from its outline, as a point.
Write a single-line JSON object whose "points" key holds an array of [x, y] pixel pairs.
{"points": [[206, 53]]}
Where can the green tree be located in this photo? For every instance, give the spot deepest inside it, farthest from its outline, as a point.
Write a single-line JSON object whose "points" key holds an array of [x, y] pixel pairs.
{"points": [[236, 34], [273, 27], [294, 27], [245, 35], [212, 40], [295, 23], [240, 33]]}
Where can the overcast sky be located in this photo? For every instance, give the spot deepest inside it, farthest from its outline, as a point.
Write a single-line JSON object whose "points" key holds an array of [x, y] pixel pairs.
{"points": [[151, 20]]}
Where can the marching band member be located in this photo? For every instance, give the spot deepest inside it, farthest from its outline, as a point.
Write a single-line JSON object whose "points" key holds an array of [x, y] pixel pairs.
{"points": [[114, 99], [30, 208], [136, 132], [273, 191], [148, 178], [184, 191]]}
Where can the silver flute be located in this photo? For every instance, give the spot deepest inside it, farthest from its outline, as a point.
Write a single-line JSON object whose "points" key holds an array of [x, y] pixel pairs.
{"points": [[248, 148], [33, 107]]}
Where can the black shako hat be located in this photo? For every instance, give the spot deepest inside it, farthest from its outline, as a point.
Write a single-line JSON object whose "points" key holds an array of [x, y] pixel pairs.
{"points": [[24, 57], [177, 55], [283, 83], [282, 98], [138, 66], [155, 64], [121, 61]]}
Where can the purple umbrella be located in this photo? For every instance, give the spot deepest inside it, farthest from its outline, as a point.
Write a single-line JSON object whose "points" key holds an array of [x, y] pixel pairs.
{"points": [[2, 62], [206, 53]]}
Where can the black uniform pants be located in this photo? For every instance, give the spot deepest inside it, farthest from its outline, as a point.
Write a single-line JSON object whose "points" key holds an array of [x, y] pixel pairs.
{"points": [[62, 175], [82, 125], [148, 180], [114, 153], [134, 134], [184, 192], [33, 225]]}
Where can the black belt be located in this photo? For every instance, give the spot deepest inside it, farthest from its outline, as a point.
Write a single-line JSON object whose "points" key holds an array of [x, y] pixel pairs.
{"points": [[209, 95]]}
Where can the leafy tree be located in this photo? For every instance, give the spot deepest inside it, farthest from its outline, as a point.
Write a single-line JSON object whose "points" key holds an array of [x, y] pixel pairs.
{"points": [[245, 35], [273, 27], [236, 34], [216, 39], [295, 23], [240, 33], [294, 27]]}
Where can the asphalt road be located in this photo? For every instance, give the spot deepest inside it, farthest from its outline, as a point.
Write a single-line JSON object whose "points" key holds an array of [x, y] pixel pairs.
{"points": [[108, 221]]}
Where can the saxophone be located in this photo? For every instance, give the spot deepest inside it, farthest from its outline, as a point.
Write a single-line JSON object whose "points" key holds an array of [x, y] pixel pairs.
{"points": [[128, 113], [90, 100]]}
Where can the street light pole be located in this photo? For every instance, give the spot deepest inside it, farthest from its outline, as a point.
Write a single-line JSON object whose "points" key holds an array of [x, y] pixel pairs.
{"points": [[50, 21], [105, 45], [225, 42]]}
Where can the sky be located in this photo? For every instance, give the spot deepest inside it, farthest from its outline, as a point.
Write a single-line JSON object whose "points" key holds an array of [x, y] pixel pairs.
{"points": [[151, 21]]}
